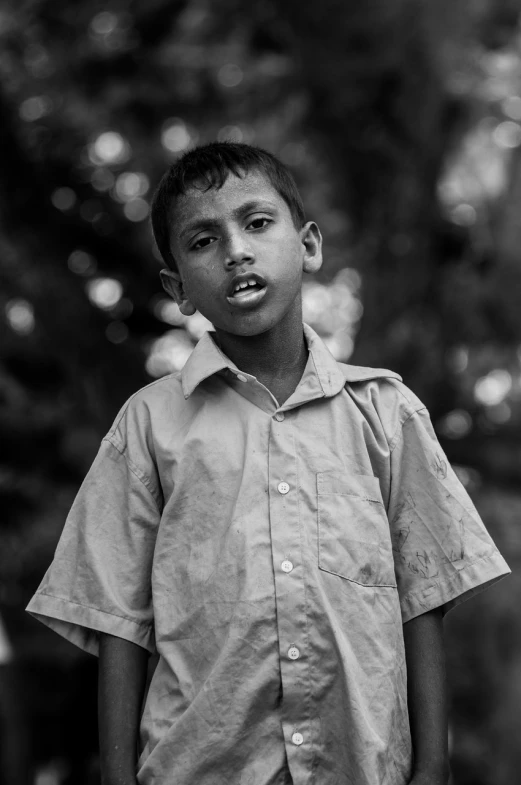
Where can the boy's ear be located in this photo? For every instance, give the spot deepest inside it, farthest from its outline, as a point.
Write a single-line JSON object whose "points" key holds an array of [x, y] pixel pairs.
{"points": [[312, 242], [173, 285]]}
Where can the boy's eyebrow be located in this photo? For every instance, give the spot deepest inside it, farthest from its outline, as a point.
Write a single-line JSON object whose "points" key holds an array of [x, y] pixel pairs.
{"points": [[208, 223]]}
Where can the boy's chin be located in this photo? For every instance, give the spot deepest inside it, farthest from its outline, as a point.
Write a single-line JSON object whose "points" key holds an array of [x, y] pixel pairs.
{"points": [[248, 324], [248, 328]]}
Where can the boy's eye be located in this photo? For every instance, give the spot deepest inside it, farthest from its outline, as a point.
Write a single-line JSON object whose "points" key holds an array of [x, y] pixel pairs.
{"points": [[202, 243], [259, 223]]}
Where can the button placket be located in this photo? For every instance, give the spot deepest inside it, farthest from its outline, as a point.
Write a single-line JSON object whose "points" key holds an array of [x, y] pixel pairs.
{"points": [[290, 594]]}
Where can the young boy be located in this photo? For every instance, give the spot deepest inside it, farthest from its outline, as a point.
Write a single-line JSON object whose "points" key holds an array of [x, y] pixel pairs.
{"points": [[281, 529]]}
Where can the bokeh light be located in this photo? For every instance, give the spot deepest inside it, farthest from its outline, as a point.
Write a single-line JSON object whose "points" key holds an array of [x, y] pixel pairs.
{"points": [[468, 476], [236, 133], [38, 61], [102, 179], [168, 353], [117, 332], [175, 136], [463, 215], [136, 210], [507, 134], [105, 293], [455, 424], [334, 310], [492, 389], [20, 316], [35, 107], [230, 133], [166, 310], [130, 185], [81, 263], [458, 359], [512, 107], [478, 171], [104, 23], [63, 199], [230, 75], [109, 148], [500, 413], [109, 31]]}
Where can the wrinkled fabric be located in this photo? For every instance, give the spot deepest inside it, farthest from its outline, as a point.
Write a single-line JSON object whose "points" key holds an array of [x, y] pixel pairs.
{"points": [[270, 561]]}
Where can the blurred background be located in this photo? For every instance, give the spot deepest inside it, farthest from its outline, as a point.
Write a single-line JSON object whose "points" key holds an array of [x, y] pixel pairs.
{"points": [[401, 121]]}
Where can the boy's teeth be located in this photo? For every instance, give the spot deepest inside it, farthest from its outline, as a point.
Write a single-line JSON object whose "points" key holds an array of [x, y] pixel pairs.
{"points": [[244, 285]]}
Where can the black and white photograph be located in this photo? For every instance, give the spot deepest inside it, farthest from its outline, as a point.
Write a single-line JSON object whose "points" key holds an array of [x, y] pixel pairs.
{"points": [[260, 392]]}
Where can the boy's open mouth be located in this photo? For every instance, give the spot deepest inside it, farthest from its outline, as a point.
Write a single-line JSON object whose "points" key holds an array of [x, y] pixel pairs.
{"points": [[246, 290]]}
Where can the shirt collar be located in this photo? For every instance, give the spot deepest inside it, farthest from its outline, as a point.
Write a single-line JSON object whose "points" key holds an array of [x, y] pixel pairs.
{"points": [[322, 373], [205, 360]]}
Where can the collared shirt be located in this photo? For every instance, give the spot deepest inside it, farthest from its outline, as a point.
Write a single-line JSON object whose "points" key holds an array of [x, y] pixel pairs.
{"points": [[270, 556]]}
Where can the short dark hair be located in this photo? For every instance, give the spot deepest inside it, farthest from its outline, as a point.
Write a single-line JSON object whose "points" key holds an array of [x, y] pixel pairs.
{"points": [[213, 163]]}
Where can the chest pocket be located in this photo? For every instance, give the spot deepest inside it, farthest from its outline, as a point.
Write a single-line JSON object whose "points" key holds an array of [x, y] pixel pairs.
{"points": [[353, 532]]}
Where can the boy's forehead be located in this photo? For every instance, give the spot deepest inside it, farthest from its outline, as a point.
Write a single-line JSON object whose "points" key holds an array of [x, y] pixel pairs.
{"points": [[201, 202]]}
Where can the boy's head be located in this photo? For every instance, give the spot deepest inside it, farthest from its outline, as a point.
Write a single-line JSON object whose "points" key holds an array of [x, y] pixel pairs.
{"points": [[225, 212], [208, 167]]}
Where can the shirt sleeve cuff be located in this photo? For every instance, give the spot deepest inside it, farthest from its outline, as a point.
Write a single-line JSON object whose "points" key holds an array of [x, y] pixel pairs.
{"points": [[81, 625], [449, 591]]}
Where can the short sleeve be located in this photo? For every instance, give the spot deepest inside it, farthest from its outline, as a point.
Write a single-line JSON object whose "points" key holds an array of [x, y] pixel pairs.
{"points": [[442, 551], [100, 578]]}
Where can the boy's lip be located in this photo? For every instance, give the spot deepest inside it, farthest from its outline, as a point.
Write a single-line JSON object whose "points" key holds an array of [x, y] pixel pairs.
{"points": [[246, 298], [243, 277]]}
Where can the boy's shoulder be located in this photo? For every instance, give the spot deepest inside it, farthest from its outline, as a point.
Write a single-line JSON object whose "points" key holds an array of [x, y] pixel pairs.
{"points": [[148, 403], [383, 389], [362, 373]]}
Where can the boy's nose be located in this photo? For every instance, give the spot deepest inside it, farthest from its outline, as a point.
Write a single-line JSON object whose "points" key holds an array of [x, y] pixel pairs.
{"points": [[238, 251]]}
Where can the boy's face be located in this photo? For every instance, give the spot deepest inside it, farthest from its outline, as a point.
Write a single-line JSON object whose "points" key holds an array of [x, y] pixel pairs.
{"points": [[224, 236]]}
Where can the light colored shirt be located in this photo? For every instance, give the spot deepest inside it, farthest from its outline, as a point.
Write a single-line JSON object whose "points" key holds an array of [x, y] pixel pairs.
{"points": [[270, 555]]}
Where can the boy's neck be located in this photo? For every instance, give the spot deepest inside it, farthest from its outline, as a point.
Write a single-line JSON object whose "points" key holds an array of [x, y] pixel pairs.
{"points": [[276, 357]]}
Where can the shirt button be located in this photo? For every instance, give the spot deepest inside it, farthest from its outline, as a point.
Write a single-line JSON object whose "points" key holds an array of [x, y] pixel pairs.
{"points": [[297, 739], [293, 653], [286, 565], [283, 487], [241, 378], [279, 416]]}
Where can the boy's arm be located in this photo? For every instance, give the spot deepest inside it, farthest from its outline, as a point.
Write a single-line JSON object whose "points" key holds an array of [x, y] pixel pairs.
{"points": [[121, 686], [427, 700]]}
